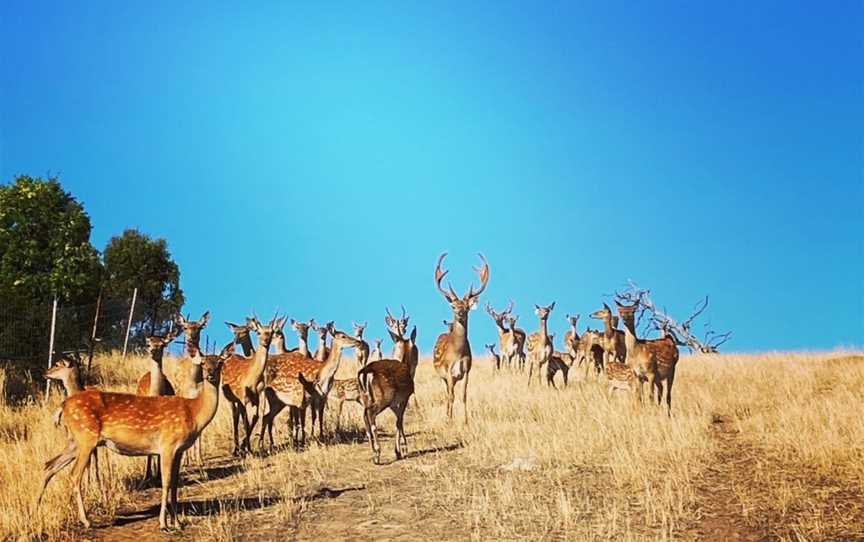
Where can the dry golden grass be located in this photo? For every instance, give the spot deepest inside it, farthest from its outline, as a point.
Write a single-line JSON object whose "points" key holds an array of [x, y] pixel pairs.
{"points": [[768, 444]]}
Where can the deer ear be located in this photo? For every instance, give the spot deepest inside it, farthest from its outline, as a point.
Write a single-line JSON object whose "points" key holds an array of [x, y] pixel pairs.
{"points": [[205, 318], [414, 334], [552, 306], [227, 351]]}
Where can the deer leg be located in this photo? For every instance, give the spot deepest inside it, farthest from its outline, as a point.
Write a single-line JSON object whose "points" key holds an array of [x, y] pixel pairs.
{"points": [[338, 412], [369, 420], [166, 459], [81, 463], [235, 416], [530, 371], [322, 403], [399, 410], [464, 397], [55, 465], [251, 419], [669, 382], [564, 372], [449, 382], [175, 483]]}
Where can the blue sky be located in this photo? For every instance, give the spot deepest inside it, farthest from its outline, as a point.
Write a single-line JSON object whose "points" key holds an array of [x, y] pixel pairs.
{"points": [[318, 159]]}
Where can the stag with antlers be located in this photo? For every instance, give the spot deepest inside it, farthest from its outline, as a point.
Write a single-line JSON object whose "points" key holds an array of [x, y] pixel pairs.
{"points": [[452, 354]]}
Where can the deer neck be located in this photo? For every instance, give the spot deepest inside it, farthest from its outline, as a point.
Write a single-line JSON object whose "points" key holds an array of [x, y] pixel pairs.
{"points": [[328, 371], [544, 332], [363, 353], [193, 345], [459, 331], [72, 383], [196, 372], [157, 377], [259, 362], [279, 344], [245, 343], [608, 329], [629, 334], [303, 345], [321, 351], [204, 405]]}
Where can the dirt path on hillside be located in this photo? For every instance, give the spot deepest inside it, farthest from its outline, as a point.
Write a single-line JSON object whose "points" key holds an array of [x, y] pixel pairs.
{"points": [[720, 513], [335, 508]]}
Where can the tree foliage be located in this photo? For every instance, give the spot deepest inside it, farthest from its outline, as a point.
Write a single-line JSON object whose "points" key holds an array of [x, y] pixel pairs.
{"points": [[135, 260]]}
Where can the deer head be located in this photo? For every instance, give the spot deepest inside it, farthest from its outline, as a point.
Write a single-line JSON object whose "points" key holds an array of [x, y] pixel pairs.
{"points": [[573, 321], [461, 305], [359, 329], [543, 312], [602, 314], [156, 344], [192, 329], [64, 370], [397, 326], [265, 333]]}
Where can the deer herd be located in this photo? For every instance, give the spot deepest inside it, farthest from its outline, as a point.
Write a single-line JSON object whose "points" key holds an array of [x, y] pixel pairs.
{"points": [[162, 420]]}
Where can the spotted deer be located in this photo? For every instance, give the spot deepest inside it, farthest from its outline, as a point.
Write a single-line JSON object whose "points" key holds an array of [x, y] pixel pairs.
{"points": [[590, 351], [137, 425], [67, 371], [653, 360], [386, 383], [243, 382], [539, 344], [452, 354], [302, 330], [285, 389], [347, 389]]}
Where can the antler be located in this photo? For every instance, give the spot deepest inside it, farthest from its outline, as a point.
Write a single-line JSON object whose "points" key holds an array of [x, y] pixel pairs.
{"points": [[484, 278], [388, 319], [439, 276]]}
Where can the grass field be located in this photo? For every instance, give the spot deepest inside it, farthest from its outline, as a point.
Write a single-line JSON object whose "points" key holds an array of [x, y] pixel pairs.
{"points": [[768, 446]]}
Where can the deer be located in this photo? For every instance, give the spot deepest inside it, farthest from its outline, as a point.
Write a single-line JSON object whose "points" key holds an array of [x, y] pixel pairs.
{"points": [[614, 346], [285, 388], [67, 371], [376, 352], [590, 351], [558, 363], [539, 344], [347, 389], [302, 329], [496, 359], [154, 383], [243, 382], [188, 375], [322, 351], [137, 425], [654, 361], [571, 336], [452, 354], [506, 337], [404, 349], [242, 337], [388, 383], [519, 339]]}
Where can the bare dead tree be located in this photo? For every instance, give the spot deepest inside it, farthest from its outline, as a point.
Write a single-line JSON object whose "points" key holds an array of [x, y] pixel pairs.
{"points": [[682, 333]]}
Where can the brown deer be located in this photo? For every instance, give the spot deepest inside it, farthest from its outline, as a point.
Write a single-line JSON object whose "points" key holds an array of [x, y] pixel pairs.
{"points": [[243, 382], [519, 339], [506, 338], [302, 329], [614, 346], [496, 359], [387, 383], [284, 387], [154, 384], [452, 354], [571, 336], [590, 351], [653, 360], [539, 344], [404, 348], [377, 354], [137, 425], [242, 336], [322, 352], [188, 374], [559, 362]]}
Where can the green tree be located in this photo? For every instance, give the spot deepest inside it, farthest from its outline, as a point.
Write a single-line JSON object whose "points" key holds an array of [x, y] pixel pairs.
{"points": [[45, 251], [135, 260]]}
